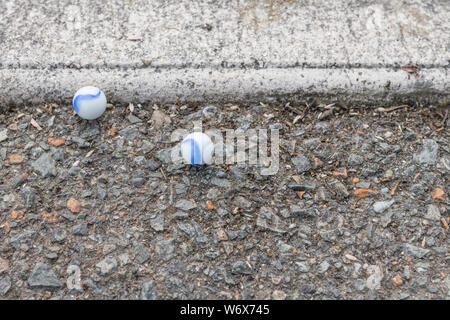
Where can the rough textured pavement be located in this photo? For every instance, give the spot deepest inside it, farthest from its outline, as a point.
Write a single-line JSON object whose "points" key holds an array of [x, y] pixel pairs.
{"points": [[159, 51], [358, 210]]}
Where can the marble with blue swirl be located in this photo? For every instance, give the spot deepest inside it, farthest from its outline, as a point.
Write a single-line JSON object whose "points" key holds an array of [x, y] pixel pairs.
{"points": [[197, 149], [89, 102]]}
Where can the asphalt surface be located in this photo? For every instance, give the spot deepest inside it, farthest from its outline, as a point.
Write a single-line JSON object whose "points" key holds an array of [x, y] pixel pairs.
{"points": [[358, 209]]}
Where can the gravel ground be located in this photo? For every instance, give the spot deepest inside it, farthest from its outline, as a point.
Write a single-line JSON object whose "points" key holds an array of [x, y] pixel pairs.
{"points": [[358, 209]]}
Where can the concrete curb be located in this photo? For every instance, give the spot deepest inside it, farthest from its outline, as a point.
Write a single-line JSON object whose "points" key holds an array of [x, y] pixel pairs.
{"points": [[163, 51], [359, 85]]}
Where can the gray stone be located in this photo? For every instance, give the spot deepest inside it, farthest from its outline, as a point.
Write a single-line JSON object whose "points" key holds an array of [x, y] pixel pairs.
{"points": [[5, 285], [440, 250], [140, 160], [240, 267], [129, 133], [355, 160], [141, 254], [308, 289], [222, 212], [285, 213], [222, 183], [108, 248], [124, 259], [52, 256], [297, 211], [323, 267], [303, 266], [433, 213], [133, 119], [277, 126], [101, 193], [185, 205], [74, 171], [45, 165], [3, 153], [237, 173], [59, 234], [29, 195], [51, 121], [242, 202], [176, 168], [9, 198], [18, 181], [91, 284], [194, 116], [69, 217], [446, 285], [165, 249], [444, 163], [58, 154], [201, 238], [430, 241], [213, 194], [301, 163], [432, 289], [236, 235], [165, 155], [80, 142], [417, 189], [147, 146], [381, 206], [25, 237], [305, 186], [86, 194], [429, 153], [363, 185], [181, 188], [209, 112], [43, 276], [157, 223], [410, 171], [181, 215], [107, 266], [413, 251], [154, 164], [138, 182], [407, 272], [339, 189], [3, 135], [80, 229], [267, 219], [328, 235], [278, 295], [148, 291], [335, 292], [357, 267], [187, 228], [383, 147], [386, 218], [373, 282], [360, 285]]}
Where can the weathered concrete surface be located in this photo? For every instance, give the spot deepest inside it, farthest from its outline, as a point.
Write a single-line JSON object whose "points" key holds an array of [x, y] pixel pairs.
{"points": [[158, 51]]}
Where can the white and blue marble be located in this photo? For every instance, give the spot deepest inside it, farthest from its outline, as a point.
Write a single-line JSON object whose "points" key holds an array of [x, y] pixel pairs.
{"points": [[197, 149], [89, 102]]}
